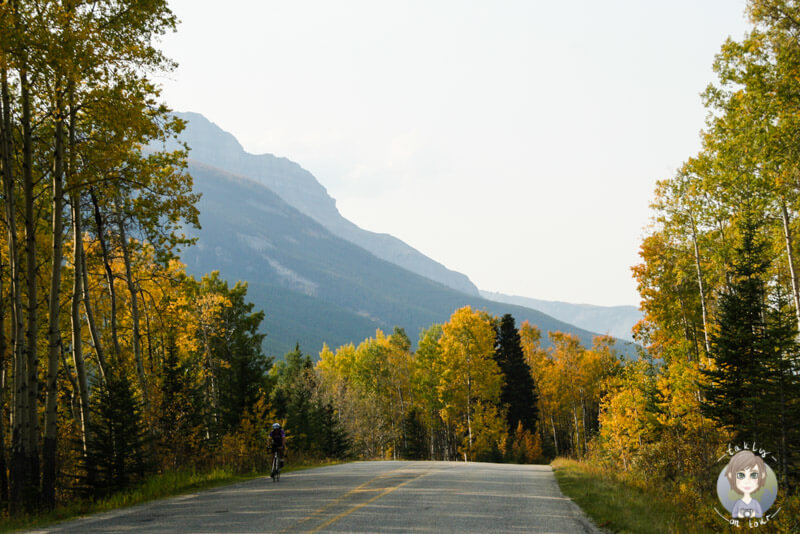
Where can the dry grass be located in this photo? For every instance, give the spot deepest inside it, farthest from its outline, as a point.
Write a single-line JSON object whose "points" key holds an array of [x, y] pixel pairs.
{"points": [[616, 506]]}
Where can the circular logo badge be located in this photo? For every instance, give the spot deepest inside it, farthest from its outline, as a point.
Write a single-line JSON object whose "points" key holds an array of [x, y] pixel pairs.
{"points": [[747, 487]]}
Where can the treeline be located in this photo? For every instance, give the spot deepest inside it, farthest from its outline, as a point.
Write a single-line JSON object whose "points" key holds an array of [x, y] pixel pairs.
{"points": [[719, 287], [476, 389], [113, 362]]}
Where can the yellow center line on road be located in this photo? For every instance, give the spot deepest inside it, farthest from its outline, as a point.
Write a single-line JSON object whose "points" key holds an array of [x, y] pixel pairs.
{"points": [[363, 504], [357, 489]]}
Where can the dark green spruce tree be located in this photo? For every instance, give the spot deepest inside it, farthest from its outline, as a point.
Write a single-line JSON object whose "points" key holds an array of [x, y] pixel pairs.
{"points": [[244, 378], [414, 445], [293, 399], [519, 391], [739, 390], [333, 440], [119, 448], [179, 423]]}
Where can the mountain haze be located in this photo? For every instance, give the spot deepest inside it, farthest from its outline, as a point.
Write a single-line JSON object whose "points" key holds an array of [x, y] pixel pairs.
{"points": [[316, 287], [297, 187], [616, 321]]}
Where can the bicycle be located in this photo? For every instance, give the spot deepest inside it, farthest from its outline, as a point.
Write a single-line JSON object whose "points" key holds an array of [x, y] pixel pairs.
{"points": [[276, 466]]}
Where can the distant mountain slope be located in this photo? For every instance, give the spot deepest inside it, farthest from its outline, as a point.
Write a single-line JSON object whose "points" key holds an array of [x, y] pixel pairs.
{"points": [[211, 145], [613, 320], [314, 286]]}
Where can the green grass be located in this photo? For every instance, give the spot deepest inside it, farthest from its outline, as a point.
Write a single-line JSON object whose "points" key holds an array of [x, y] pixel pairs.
{"points": [[156, 487], [616, 506]]}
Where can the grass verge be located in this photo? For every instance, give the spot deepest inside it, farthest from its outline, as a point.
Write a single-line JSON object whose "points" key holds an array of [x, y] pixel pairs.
{"points": [[156, 487], [617, 506]]}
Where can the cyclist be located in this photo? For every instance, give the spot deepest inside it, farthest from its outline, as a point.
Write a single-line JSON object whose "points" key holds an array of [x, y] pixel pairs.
{"points": [[278, 437]]}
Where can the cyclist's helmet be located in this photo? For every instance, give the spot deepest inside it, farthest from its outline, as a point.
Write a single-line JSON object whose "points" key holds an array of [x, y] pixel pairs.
{"points": [[276, 426]]}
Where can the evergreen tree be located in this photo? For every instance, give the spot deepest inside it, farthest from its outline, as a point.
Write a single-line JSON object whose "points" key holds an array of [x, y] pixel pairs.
{"points": [[118, 449], [738, 382], [333, 441], [415, 437], [180, 416], [519, 391], [243, 378], [292, 398]]}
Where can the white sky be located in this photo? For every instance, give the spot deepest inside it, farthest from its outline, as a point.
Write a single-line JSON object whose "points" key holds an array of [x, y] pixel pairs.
{"points": [[517, 142]]}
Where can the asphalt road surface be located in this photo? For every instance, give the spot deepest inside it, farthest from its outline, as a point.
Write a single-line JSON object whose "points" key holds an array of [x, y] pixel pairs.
{"points": [[362, 497]]}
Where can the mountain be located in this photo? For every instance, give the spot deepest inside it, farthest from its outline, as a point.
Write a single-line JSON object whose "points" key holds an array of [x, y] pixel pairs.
{"points": [[616, 321], [298, 188], [314, 286]]}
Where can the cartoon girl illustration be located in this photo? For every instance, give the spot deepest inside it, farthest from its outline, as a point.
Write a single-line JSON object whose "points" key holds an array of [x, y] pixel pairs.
{"points": [[746, 473]]}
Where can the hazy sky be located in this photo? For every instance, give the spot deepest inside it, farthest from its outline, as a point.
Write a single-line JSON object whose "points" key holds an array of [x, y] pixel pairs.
{"points": [[517, 142]]}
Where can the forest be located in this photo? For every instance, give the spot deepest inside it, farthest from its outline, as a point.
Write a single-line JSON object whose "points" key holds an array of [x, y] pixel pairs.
{"points": [[476, 389], [720, 292], [115, 364]]}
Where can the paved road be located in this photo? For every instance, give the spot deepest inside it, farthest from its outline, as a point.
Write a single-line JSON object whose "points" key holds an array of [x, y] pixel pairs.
{"points": [[363, 497]]}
